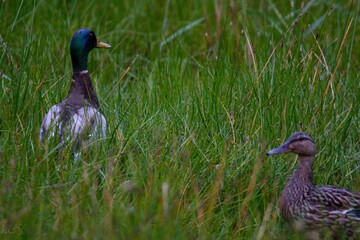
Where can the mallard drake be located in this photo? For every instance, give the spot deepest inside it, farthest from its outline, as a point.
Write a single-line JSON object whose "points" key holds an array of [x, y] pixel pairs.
{"points": [[314, 209], [78, 117]]}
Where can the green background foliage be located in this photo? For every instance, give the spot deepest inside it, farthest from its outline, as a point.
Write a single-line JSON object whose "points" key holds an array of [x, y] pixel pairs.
{"points": [[194, 93]]}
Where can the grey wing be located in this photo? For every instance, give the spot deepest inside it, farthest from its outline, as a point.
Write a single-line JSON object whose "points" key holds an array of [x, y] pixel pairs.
{"points": [[50, 122], [88, 124], [85, 124]]}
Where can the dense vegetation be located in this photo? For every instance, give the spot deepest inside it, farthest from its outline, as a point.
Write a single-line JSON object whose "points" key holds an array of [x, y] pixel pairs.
{"points": [[194, 93]]}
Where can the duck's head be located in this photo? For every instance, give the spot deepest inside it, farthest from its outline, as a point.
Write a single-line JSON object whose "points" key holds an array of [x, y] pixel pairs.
{"points": [[299, 142], [83, 41]]}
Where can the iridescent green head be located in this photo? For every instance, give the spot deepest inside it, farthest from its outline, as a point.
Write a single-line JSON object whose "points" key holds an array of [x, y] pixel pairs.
{"points": [[83, 41]]}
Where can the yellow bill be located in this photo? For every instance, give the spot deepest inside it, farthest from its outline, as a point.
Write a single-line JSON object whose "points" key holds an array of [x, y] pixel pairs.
{"points": [[101, 44]]}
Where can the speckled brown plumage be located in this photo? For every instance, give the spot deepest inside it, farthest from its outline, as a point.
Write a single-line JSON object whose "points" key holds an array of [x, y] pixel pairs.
{"points": [[313, 208]]}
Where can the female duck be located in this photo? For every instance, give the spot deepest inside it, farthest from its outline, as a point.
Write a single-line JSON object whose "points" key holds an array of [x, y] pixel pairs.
{"points": [[78, 117], [312, 208]]}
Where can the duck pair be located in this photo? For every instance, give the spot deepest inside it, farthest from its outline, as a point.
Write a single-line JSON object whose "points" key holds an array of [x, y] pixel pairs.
{"points": [[310, 208]]}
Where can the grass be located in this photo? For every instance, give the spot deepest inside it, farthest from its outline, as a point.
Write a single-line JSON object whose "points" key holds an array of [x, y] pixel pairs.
{"points": [[194, 94]]}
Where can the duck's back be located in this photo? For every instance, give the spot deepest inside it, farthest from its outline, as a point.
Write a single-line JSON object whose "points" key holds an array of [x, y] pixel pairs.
{"points": [[322, 207], [332, 198]]}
